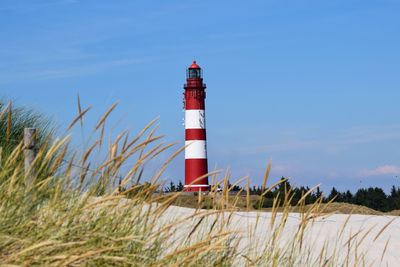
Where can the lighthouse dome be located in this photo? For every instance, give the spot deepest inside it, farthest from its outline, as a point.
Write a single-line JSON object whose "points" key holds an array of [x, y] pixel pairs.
{"points": [[194, 65]]}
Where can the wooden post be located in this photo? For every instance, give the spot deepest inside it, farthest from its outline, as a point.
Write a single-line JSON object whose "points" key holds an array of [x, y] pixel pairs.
{"points": [[29, 153]]}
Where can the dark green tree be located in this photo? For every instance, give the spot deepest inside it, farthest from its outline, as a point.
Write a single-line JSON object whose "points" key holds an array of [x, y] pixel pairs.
{"points": [[180, 187], [348, 197], [171, 188], [333, 195], [394, 198], [373, 197]]}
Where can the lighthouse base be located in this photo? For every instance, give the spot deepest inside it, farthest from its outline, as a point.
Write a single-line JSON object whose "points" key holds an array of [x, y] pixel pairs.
{"points": [[196, 188], [195, 170]]}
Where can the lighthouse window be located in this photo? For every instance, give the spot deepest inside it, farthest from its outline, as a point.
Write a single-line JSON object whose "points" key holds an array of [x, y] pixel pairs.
{"points": [[194, 73]]}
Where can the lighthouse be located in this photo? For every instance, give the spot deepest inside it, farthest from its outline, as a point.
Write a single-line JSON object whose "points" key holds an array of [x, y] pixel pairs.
{"points": [[196, 164]]}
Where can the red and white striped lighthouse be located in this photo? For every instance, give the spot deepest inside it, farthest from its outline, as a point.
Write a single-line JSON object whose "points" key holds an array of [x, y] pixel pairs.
{"points": [[195, 131]]}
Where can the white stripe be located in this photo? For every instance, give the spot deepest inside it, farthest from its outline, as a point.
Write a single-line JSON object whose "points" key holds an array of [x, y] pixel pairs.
{"points": [[195, 119], [195, 149], [197, 185]]}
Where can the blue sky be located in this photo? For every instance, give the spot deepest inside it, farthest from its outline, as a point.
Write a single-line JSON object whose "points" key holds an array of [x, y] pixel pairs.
{"points": [[312, 85]]}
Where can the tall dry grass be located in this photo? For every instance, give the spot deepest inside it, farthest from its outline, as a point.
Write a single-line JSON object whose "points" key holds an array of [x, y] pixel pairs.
{"points": [[93, 213]]}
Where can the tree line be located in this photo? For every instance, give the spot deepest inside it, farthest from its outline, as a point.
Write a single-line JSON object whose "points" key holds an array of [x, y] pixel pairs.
{"points": [[371, 197]]}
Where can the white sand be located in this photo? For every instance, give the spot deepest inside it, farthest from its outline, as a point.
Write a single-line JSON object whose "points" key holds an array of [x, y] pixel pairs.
{"points": [[321, 232]]}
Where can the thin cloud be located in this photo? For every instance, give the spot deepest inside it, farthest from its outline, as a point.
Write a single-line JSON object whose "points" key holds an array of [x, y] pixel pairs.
{"points": [[71, 71], [333, 143], [382, 170]]}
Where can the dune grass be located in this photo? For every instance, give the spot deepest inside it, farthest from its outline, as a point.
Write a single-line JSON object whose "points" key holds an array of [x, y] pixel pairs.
{"points": [[77, 214], [13, 120]]}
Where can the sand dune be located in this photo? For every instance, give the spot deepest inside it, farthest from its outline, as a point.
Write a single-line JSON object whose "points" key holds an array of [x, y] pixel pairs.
{"points": [[366, 240]]}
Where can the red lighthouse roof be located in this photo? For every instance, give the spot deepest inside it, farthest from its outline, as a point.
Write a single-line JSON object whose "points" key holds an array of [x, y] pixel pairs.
{"points": [[194, 65]]}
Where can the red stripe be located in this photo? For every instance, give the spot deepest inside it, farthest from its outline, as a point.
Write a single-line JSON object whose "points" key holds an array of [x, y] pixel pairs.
{"points": [[194, 97], [192, 103], [194, 168], [195, 134]]}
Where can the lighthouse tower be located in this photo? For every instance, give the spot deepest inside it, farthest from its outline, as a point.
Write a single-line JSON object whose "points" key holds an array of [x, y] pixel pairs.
{"points": [[195, 131]]}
